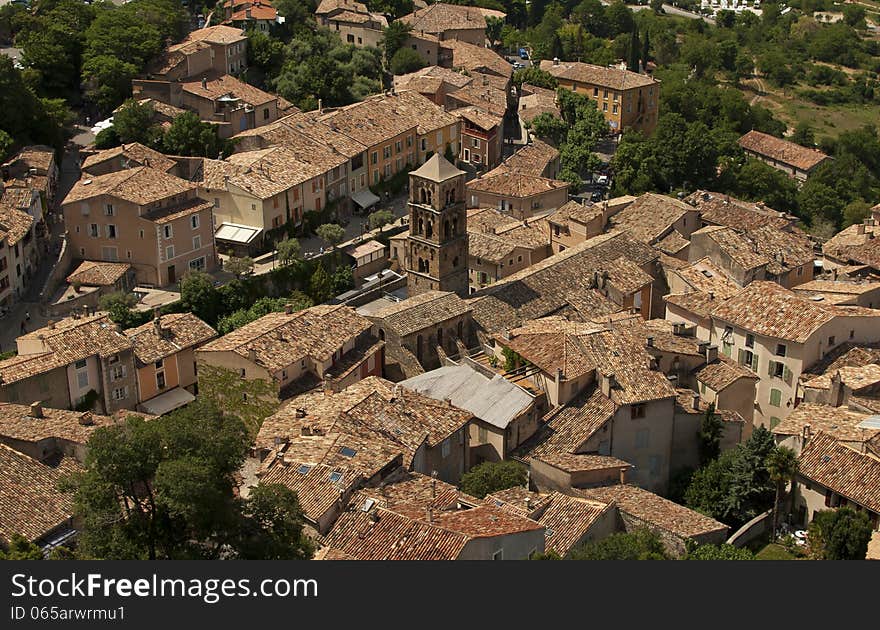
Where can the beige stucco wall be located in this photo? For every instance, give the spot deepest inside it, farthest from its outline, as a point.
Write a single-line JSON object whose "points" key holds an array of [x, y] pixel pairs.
{"points": [[518, 207]]}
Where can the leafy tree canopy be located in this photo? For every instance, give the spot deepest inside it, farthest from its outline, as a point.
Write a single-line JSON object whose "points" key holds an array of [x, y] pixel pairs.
{"points": [[490, 477]]}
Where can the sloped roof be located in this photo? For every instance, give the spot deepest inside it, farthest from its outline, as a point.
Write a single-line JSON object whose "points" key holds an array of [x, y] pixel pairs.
{"points": [[421, 311], [854, 475], [437, 169], [781, 150]]}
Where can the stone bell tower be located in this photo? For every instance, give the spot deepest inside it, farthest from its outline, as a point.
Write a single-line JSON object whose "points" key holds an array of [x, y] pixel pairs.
{"points": [[437, 246]]}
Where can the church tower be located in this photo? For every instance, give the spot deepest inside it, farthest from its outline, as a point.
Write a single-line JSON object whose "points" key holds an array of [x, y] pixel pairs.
{"points": [[437, 246]]}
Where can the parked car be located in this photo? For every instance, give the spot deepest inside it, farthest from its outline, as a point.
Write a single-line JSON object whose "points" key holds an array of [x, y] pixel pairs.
{"points": [[523, 53], [517, 65], [602, 180], [596, 195]]}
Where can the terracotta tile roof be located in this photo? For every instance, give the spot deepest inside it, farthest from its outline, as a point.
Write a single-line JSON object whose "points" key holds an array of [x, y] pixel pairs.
{"points": [[768, 309], [784, 249], [14, 223], [781, 150], [838, 423], [40, 157], [489, 247], [699, 303], [567, 428], [855, 378], [488, 220], [169, 111], [528, 114], [705, 276], [655, 510], [612, 78], [575, 211], [741, 250], [69, 340], [409, 105], [317, 486], [178, 211], [257, 11], [844, 288], [852, 247], [77, 427], [650, 216], [672, 243], [845, 471], [663, 337], [846, 355], [441, 17], [98, 274], [479, 117], [141, 185], [482, 94], [217, 35], [281, 339], [375, 120], [533, 158], [514, 183], [720, 209], [723, 373], [560, 281], [134, 153], [269, 172], [410, 493], [324, 130], [437, 73], [421, 311], [227, 85], [176, 332], [567, 520], [519, 499], [30, 501], [529, 233]]}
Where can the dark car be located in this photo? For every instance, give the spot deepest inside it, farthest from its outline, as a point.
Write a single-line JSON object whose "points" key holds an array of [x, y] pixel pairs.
{"points": [[596, 195]]}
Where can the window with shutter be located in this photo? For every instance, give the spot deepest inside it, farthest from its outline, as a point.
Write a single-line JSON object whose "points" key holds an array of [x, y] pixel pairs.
{"points": [[775, 397], [787, 375], [755, 363]]}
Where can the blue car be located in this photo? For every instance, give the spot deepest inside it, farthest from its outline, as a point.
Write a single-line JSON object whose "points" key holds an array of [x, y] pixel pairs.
{"points": [[523, 53]]}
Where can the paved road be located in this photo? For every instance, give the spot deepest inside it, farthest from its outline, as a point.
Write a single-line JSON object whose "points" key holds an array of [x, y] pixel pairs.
{"points": [[671, 10]]}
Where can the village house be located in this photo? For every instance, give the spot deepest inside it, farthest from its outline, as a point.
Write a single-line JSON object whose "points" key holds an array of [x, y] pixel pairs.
{"points": [[790, 158], [720, 209], [595, 279], [88, 283], [628, 100], [33, 167], [440, 522], [659, 220], [482, 134], [515, 192], [608, 400], [578, 220], [416, 329], [449, 22], [366, 258], [21, 249], [778, 335], [534, 101], [257, 15], [149, 219], [569, 522], [843, 292], [286, 350], [505, 414], [33, 506], [372, 428], [75, 362], [227, 53], [352, 21], [499, 246], [728, 385], [854, 245], [127, 156], [432, 82], [164, 353]]}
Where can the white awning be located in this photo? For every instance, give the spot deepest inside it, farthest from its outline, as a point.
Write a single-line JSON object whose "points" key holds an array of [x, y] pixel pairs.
{"points": [[167, 402], [364, 198], [236, 233]]}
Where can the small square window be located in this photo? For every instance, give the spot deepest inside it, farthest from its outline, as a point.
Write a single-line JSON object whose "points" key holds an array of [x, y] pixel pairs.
{"points": [[304, 469], [334, 477], [780, 349], [345, 451]]}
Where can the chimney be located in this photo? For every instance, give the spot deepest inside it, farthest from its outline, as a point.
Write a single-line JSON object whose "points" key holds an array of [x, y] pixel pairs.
{"points": [[622, 476], [608, 383], [805, 435], [204, 83], [711, 295], [247, 13], [555, 61], [711, 354], [320, 106], [288, 309], [252, 355], [86, 419], [558, 376], [649, 342], [51, 324], [433, 488], [860, 228], [36, 409], [696, 402], [430, 512], [299, 413]]}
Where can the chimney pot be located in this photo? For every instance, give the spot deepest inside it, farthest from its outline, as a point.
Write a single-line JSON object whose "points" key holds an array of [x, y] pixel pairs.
{"points": [[86, 419], [36, 409], [252, 355], [622, 476]]}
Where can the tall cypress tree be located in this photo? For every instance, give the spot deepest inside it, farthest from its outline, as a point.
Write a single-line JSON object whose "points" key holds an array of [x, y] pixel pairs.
{"points": [[645, 46], [635, 49]]}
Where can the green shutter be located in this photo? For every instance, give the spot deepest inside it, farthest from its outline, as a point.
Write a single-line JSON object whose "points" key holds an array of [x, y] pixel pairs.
{"points": [[770, 367], [754, 363], [741, 356], [786, 375], [775, 397]]}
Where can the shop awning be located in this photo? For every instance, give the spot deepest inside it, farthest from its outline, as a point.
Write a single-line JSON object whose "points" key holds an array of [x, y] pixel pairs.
{"points": [[167, 402], [235, 233], [364, 198]]}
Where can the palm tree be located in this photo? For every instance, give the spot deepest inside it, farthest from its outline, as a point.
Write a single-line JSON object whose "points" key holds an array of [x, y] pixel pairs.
{"points": [[782, 464]]}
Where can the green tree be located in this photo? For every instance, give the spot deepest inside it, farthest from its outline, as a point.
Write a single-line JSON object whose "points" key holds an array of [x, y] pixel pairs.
{"points": [[782, 465], [239, 267], [393, 38], [20, 548], [343, 279], [657, 6], [289, 251], [198, 295], [709, 436], [120, 309], [406, 60], [379, 218], [638, 545], [331, 233], [189, 136], [855, 212], [535, 76], [133, 122], [635, 49], [804, 135], [550, 127], [490, 477], [493, 28], [619, 18], [6, 144], [719, 552], [841, 534], [320, 285], [159, 490], [107, 139]]}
